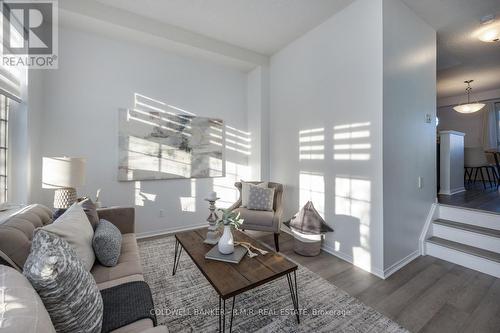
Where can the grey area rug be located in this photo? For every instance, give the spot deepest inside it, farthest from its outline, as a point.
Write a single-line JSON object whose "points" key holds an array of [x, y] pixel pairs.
{"points": [[187, 302]]}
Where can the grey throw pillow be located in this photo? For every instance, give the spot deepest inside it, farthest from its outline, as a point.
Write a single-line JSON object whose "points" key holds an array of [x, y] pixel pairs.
{"points": [[260, 198], [245, 191], [107, 243], [68, 291]]}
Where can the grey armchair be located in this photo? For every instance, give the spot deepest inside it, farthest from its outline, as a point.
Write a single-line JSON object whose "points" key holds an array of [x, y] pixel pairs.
{"points": [[263, 220]]}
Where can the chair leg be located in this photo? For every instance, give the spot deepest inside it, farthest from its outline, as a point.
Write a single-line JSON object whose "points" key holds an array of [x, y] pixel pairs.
{"points": [[489, 178], [276, 242], [482, 177], [495, 176], [475, 176]]}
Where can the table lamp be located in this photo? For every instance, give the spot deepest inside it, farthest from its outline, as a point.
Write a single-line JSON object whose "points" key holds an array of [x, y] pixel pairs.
{"points": [[63, 174]]}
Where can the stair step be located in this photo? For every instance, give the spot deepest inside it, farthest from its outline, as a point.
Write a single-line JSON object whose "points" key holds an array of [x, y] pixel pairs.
{"points": [[468, 227], [490, 255]]}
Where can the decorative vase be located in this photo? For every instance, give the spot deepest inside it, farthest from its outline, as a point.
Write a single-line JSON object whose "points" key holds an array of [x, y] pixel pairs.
{"points": [[226, 242]]}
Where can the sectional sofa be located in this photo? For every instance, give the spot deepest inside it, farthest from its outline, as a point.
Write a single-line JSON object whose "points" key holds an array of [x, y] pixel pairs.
{"points": [[27, 313]]}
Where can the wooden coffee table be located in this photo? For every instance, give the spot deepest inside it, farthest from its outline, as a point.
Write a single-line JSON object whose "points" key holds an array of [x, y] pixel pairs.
{"points": [[230, 280]]}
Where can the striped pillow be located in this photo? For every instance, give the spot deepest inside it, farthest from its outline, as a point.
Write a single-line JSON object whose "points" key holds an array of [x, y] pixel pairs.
{"points": [[67, 289]]}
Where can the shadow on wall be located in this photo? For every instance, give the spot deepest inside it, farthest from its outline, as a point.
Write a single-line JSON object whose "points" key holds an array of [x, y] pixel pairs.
{"points": [[343, 197], [147, 154]]}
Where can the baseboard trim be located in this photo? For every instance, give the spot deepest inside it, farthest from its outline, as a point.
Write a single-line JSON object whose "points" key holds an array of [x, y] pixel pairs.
{"points": [[453, 191], [169, 231], [344, 256], [401, 263]]}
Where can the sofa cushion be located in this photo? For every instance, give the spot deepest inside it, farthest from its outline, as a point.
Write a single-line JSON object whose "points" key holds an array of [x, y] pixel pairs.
{"points": [[16, 233], [143, 325], [129, 262], [262, 218], [21, 309], [74, 227], [67, 289], [107, 243]]}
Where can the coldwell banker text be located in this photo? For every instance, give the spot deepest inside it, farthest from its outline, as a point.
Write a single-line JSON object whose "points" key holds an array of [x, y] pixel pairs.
{"points": [[29, 33]]}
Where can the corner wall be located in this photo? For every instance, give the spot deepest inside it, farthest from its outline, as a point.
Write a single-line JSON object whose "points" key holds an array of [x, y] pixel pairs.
{"points": [[409, 141], [326, 129]]}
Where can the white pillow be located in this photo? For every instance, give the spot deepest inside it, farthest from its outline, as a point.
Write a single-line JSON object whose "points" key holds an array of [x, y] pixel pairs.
{"points": [[245, 191], [73, 226]]}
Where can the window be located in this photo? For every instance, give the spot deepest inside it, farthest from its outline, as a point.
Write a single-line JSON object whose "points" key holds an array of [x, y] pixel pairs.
{"points": [[4, 146]]}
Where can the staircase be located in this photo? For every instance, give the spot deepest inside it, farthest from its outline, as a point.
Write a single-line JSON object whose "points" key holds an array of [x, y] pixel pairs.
{"points": [[465, 237]]}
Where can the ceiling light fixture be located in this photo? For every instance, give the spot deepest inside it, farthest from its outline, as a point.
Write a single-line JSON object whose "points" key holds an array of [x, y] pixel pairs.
{"points": [[490, 31], [469, 107]]}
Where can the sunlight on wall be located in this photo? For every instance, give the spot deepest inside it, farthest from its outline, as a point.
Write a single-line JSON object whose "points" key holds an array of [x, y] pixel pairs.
{"points": [[142, 197], [148, 104], [237, 143], [312, 188], [353, 198], [224, 187], [188, 204], [350, 142], [311, 144], [236, 140]]}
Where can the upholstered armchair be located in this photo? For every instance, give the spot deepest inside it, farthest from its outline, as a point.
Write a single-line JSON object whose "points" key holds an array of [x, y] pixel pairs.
{"points": [[263, 220]]}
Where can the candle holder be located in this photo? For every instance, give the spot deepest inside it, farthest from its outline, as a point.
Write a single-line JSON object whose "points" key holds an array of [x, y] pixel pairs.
{"points": [[212, 234]]}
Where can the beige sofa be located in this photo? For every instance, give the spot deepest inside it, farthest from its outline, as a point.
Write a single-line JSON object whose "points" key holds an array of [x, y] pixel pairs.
{"points": [[15, 241]]}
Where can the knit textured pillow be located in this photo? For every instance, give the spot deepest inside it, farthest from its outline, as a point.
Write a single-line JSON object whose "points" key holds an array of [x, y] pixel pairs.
{"points": [[68, 291], [107, 243], [260, 198]]}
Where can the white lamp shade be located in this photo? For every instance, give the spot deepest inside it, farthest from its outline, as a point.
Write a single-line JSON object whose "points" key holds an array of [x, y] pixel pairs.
{"points": [[63, 172], [469, 108]]}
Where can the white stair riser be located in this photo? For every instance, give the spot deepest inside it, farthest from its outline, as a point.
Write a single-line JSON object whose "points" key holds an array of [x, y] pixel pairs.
{"points": [[479, 218], [463, 259], [466, 237]]}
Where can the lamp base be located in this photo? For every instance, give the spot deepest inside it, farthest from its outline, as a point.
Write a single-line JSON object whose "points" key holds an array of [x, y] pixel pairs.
{"points": [[64, 197]]}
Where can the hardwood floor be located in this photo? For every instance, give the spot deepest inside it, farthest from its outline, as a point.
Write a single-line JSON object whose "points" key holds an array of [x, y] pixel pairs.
{"points": [[476, 197], [427, 295]]}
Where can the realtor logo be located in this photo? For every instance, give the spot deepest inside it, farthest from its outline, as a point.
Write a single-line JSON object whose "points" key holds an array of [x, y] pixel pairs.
{"points": [[29, 33]]}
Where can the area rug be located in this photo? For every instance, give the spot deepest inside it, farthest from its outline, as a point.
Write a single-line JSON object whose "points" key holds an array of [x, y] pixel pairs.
{"points": [[187, 302]]}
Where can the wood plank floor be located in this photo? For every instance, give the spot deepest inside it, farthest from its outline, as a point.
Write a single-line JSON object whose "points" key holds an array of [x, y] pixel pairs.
{"points": [[476, 197], [427, 295]]}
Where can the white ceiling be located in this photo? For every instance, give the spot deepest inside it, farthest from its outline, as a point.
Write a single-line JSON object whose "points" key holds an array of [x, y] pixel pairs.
{"points": [[461, 56], [263, 26], [266, 26]]}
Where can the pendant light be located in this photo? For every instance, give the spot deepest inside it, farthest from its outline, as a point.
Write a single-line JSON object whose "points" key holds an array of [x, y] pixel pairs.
{"points": [[469, 107]]}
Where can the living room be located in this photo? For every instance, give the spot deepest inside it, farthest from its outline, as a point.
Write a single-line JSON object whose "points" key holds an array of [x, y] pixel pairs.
{"points": [[308, 126]]}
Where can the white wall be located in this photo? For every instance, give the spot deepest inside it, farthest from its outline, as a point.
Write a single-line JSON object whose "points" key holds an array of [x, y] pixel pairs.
{"points": [[479, 96], [470, 124], [80, 101], [330, 81], [409, 142]]}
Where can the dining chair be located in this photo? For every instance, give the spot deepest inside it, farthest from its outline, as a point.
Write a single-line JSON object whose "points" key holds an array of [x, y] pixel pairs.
{"points": [[475, 162]]}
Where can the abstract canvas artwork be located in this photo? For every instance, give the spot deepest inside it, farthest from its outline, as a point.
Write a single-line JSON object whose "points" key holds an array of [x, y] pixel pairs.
{"points": [[161, 145]]}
